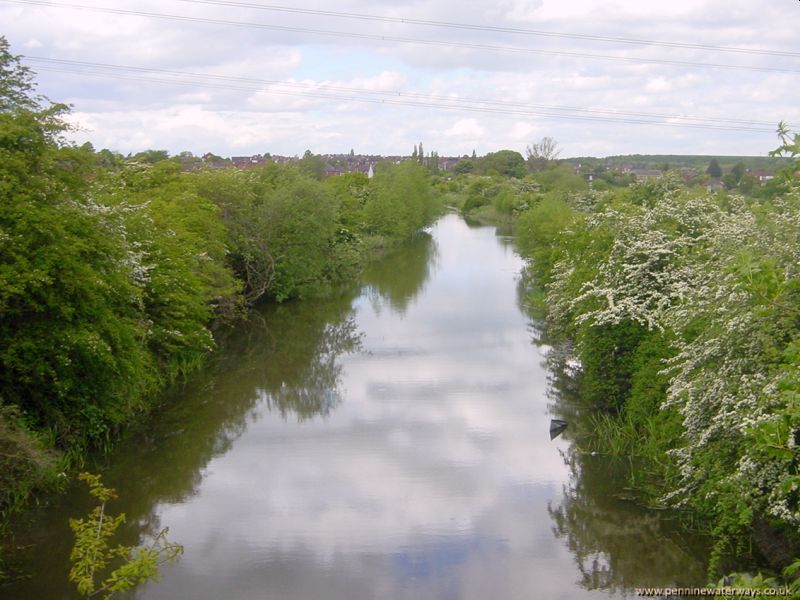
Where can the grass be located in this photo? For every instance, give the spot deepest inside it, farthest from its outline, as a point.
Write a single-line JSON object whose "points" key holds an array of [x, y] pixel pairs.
{"points": [[25, 463]]}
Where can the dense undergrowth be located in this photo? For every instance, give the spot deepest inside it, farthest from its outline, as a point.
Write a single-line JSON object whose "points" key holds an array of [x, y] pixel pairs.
{"points": [[114, 273], [683, 309]]}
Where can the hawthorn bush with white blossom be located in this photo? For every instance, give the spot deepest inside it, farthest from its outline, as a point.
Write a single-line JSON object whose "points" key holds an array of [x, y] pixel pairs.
{"points": [[698, 292]]}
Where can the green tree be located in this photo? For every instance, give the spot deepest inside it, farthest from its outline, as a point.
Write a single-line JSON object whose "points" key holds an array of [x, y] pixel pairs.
{"points": [[714, 170], [738, 171], [465, 165], [298, 221], [503, 162], [16, 82], [400, 201], [151, 156], [790, 146], [312, 165], [68, 300]]}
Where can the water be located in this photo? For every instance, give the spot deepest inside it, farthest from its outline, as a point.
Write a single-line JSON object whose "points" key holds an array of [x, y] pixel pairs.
{"points": [[392, 443]]}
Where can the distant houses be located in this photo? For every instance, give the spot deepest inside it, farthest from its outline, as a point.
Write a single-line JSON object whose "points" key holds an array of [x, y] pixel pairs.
{"points": [[596, 171], [334, 164]]}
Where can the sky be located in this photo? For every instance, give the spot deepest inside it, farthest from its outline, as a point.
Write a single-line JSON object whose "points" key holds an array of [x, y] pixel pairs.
{"points": [[247, 77]]}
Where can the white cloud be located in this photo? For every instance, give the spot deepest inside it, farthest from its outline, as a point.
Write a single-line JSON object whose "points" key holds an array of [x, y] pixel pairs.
{"points": [[234, 117], [465, 128]]}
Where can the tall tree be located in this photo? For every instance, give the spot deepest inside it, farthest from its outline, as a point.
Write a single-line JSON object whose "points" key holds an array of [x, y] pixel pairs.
{"points": [[16, 82], [738, 171], [714, 169], [541, 154]]}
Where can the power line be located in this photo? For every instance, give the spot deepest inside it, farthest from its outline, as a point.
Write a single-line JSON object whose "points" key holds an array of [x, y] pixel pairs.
{"points": [[493, 28], [385, 93], [414, 103], [404, 40]]}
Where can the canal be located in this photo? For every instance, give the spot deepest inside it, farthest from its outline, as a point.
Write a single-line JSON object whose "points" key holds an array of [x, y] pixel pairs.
{"points": [[389, 443]]}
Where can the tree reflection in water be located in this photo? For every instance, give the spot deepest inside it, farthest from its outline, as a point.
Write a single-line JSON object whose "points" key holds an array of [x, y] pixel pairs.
{"points": [[401, 275], [283, 358], [617, 544]]}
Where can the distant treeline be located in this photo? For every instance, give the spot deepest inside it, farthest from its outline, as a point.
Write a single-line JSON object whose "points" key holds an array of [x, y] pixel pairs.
{"points": [[678, 161], [112, 277]]}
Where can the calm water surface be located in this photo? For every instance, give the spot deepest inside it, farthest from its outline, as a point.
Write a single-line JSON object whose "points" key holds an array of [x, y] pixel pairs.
{"points": [[392, 443]]}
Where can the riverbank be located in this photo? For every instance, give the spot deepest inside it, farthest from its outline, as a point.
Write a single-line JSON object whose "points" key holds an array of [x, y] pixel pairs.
{"points": [[678, 305]]}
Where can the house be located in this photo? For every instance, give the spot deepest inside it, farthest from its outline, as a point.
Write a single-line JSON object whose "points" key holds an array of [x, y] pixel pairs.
{"points": [[762, 176], [248, 162], [332, 171], [641, 174]]}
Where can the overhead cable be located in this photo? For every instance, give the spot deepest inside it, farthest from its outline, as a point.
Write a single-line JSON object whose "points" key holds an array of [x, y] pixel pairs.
{"points": [[403, 40], [412, 95]]}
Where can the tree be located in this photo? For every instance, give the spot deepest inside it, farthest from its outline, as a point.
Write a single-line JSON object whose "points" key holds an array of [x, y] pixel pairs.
{"points": [[400, 202], [465, 165], [503, 162], [714, 170], [151, 156], [312, 165], [542, 154], [790, 146], [738, 171], [16, 82], [729, 181], [68, 298], [433, 164]]}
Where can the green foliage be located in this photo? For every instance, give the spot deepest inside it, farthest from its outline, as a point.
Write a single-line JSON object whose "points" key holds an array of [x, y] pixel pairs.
{"points": [[539, 235], [151, 156], [770, 587], [67, 299], [790, 147], [299, 228], [98, 567], [16, 82], [465, 165], [177, 254], [607, 356], [312, 165], [561, 178], [714, 170], [400, 202], [507, 163], [25, 462]]}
